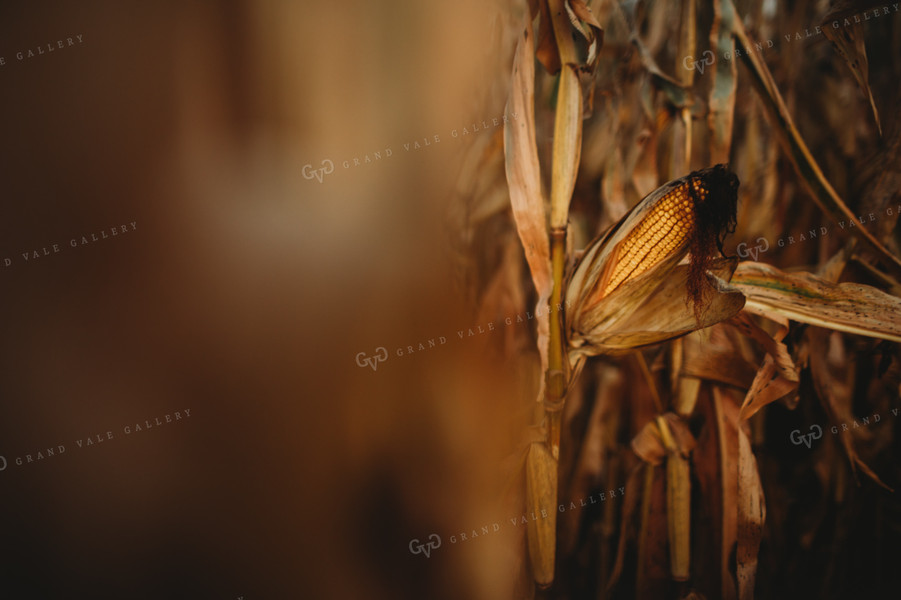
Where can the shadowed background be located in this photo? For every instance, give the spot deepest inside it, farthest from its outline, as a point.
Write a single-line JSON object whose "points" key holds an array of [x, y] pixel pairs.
{"points": [[244, 294]]}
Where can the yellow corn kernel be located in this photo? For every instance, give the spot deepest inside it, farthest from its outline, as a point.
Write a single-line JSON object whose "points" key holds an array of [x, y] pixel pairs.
{"points": [[665, 229]]}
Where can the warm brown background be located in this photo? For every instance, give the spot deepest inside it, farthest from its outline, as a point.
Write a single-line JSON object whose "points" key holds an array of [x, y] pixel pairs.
{"points": [[244, 294]]}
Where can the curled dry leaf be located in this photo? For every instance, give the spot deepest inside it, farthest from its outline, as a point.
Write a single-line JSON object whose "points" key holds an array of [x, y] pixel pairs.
{"points": [[651, 446], [778, 375]]}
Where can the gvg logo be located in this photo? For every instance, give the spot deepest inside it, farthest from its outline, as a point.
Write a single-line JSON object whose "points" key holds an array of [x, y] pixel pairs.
{"points": [[744, 251], [381, 355], [797, 439], [433, 543], [327, 168], [708, 58]]}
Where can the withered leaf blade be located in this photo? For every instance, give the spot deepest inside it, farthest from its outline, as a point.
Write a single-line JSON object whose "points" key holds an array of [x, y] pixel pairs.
{"points": [[768, 386], [567, 145], [777, 377], [836, 401], [803, 297], [547, 52], [524, 181], [716, 359], [593, 34], [751, 517]]}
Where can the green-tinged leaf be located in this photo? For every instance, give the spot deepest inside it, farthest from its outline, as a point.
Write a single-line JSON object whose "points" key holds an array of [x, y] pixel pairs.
{"points": [[848, 307]]}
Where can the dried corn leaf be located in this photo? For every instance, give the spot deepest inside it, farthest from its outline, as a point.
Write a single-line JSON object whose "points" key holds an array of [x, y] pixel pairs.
{"points": [[772, 344], [849, 307], [524, 181], [808, 169], [675, 93], [751, 516], [567, 145], [717, 358], [836, 400], [769, 385], [777, 377], [678, 492], [572, 13], [546, 51], [593, 34]]}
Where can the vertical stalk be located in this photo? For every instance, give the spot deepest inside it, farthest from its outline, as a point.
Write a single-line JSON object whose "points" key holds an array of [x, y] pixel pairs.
{"points": [[555, 382], [566, 155]]}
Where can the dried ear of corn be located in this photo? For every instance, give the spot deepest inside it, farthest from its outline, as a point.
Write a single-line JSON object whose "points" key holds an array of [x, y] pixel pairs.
{"points": [[629, 289], [541, 500]]}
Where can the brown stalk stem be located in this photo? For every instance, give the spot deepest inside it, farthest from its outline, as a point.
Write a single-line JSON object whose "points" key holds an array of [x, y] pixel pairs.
{"points": [[555, 382], [643, 365]]}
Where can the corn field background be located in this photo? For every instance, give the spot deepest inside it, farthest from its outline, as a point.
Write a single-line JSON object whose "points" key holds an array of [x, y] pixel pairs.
{"points": [[551, 299], [741, 503]]}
